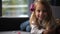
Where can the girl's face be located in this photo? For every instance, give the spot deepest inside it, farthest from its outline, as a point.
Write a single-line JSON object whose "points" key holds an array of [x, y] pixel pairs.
{"points": [[40, 12]]}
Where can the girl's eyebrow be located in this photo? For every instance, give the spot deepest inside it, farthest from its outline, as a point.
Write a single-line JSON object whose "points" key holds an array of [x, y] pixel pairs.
{"points": [[42, 9]]}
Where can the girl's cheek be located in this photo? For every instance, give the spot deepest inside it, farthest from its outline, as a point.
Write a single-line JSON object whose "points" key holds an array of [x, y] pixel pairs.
{"points": [[37, 15]]}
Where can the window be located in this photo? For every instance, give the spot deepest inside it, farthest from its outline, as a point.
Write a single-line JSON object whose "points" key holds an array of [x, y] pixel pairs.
{"points": [[15, 8]]}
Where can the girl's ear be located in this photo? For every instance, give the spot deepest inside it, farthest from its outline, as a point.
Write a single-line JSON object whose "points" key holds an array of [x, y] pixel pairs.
{"points": [[32, 7]]}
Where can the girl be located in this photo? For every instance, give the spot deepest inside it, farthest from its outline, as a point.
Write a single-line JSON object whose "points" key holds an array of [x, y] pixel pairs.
{"points": [[41, 20]]}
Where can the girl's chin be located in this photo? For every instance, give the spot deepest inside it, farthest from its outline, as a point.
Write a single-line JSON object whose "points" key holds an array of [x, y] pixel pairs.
{"points": [[40, 19]]}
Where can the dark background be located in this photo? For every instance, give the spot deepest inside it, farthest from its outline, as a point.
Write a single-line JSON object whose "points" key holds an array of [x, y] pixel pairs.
{"points": [[9, 24]]}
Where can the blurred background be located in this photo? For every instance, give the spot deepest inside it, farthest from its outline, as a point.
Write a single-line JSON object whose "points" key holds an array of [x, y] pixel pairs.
{"points": [[20, 8], [15, 12], [15, 8]]}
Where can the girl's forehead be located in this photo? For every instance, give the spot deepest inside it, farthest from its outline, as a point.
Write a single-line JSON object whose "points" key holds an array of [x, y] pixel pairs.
{"points": [[40, 6]]}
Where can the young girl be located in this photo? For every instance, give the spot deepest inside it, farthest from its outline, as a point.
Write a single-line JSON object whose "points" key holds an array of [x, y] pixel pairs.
{"points": [[41, 20]]}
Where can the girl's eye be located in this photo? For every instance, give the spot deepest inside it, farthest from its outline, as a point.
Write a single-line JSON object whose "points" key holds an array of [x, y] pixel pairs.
{"points": [[38, 10], [45, 10]]}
